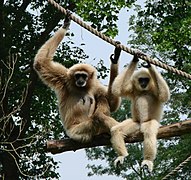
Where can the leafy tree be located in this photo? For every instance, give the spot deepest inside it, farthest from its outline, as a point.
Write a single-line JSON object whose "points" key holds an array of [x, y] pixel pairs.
{"points": [[161, 29], [28, 111]]}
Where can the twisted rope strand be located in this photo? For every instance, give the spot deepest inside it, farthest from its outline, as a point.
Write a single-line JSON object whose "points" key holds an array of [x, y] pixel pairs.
{"points": [[114, 43], [177, 168]]}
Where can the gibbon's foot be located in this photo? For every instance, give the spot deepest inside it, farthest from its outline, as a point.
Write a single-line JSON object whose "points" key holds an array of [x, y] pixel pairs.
{"points": [[148, 165], [119, 160], [67, 20]]}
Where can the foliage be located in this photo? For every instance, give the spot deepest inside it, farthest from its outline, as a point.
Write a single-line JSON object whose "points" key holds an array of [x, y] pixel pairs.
{"points": [[103, 13]]}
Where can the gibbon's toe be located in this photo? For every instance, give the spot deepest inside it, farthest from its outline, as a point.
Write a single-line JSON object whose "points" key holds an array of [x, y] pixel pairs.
{"points": [[119, 160], [148, 165]]}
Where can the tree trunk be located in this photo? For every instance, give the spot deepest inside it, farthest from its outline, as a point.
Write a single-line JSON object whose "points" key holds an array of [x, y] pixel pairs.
{"points": [[10, 170]]}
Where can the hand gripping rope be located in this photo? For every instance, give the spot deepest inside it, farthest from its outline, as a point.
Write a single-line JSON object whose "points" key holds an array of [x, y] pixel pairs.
{"points": [[115, 43]]}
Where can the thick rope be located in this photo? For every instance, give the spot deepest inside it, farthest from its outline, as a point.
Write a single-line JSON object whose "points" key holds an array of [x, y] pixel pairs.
{"points": [[115, 43], [177, 168]]}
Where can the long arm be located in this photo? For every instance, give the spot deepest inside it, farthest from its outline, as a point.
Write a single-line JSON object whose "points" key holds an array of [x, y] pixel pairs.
{"points": [[122, 84], [163, 92], [52, 73], [114, 101]]}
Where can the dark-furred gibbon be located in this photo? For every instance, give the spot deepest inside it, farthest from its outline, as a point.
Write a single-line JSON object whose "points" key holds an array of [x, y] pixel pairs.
{"points": [[84, 103], [148, 91]]}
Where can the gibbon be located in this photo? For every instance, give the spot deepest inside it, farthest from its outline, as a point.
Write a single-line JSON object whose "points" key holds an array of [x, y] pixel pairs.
{"points": [[84, 103], [147, 91]]}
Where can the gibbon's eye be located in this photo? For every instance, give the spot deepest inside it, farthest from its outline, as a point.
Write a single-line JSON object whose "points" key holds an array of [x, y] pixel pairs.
{"points": [[77, 76], [81, 75], [143, 82]]}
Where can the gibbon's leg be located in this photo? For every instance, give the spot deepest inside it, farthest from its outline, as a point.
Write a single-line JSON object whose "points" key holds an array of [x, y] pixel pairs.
{"points": [[104, 123], [118, 134], [150, 131], [102, 113], [82, 132], [108, 121]]}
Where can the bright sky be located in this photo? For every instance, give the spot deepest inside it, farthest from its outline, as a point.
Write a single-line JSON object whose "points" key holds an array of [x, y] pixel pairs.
{"points": [[73, 164]]}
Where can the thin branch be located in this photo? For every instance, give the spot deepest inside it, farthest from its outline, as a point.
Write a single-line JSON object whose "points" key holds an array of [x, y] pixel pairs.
{"points": [[22, 172], [11, 67]]}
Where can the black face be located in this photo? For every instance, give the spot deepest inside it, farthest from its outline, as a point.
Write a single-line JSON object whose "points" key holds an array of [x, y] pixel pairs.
{"points": [[143, 82], [81, 79]]}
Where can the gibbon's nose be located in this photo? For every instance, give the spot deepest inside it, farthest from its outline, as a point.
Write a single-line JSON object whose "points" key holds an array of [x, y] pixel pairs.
{"points": [[143, 84]]}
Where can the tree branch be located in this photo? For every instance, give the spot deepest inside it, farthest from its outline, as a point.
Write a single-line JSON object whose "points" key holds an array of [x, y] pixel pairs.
{"points": [[59, 146]]}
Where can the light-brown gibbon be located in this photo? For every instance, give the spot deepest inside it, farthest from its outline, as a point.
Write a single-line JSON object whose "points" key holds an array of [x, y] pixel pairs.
{"points": [[84, 103], [148, 92]]}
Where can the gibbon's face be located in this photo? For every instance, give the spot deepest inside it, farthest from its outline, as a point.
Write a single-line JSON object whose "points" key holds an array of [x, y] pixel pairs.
{"points": [[81, 78], [142, 80]]}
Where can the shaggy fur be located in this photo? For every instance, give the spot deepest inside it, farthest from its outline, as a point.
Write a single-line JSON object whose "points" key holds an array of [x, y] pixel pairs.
{"points": [[146, 107], [84, 111]]}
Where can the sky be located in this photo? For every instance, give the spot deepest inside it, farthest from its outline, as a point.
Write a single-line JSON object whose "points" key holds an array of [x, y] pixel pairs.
{"points": [[73, 164]]}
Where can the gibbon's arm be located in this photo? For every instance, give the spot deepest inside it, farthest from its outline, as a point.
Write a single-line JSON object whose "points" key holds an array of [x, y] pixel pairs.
{"points": [[163, 91], [52, 73], [122, 85], [114, 101]]}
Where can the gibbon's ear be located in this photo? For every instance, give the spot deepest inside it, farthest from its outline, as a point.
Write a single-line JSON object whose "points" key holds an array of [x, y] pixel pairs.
{"points": [[91, 75]]}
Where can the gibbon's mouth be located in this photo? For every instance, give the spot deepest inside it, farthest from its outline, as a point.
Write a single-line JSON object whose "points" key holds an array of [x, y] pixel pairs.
{"points": [[143, 86], [80, 84]]}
